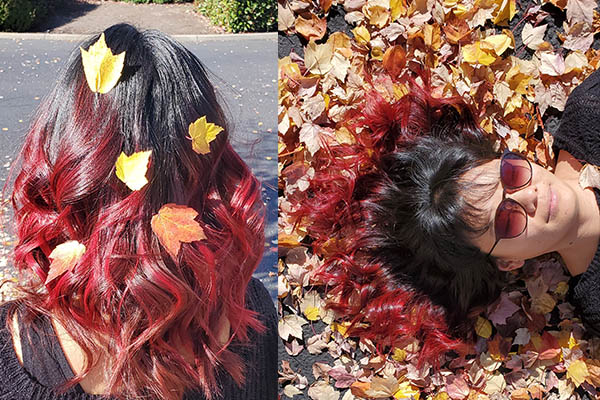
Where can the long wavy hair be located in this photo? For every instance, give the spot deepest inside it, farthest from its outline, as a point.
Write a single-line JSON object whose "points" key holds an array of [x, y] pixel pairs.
{"points": [[127, 297], [390, 218]]}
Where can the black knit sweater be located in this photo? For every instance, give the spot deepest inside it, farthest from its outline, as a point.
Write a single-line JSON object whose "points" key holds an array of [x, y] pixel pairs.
{"points": [[579, 134], [39, 375]]}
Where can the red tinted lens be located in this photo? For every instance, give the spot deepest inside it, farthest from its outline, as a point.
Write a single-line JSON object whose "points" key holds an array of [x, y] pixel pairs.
{"points": [[511, 219], [515, 171]]}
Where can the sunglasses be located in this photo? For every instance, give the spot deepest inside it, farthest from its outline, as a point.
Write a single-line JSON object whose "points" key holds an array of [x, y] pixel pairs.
{"points": [[511, 218]]}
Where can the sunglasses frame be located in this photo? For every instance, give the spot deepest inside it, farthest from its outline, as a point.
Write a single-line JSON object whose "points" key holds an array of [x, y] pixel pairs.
{"points": [[509, 200]]}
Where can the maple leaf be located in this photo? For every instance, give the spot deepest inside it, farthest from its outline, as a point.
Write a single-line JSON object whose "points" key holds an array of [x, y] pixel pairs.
{"points": [[552, 64], [131, 170], [322, 391], [589, 177], [310, 305], [406, 390], [504, 309], [310, 135], [495, 384], [383, 387], [64, 257], [497, 43], [102, 69], [202, 133], [175, 224], [285, 18], [397, 8], [317, 57], [361, 34], [343, 379], [291, 326], [581, 11], [340, 65], [577, 371], [377, 13], [533, 37], [457, 388], [506, 11], [311, 29], [473, 53], [575, 61]]}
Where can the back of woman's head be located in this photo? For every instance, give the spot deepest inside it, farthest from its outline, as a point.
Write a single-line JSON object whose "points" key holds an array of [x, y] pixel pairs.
{"points": [[143, 304]]}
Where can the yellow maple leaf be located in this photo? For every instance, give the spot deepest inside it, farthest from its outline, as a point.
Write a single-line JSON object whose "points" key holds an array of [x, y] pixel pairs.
{"points": [[361, 34], [202, 133], [102, 68], [506, 11], [577, 372], [131, 170], [399, 354], [340, 327], [376, 14], [473, 53], [397, 9], [432, 36], [64, 257], [407, 391], [497, 43]]}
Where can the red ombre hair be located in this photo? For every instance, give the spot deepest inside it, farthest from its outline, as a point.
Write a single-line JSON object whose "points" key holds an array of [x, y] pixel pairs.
{"points": [[127, 296], [388, 280]]}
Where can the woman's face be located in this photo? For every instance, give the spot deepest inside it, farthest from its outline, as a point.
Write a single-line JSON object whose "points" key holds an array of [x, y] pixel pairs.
{"points": [[550, 204]]}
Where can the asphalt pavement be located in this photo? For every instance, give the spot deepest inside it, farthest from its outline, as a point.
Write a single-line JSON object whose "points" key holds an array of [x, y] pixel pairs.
{"points": [[244, 70]]}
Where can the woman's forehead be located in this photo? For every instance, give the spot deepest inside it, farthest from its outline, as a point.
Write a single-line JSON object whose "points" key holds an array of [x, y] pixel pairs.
{"points": [[482, 192]]}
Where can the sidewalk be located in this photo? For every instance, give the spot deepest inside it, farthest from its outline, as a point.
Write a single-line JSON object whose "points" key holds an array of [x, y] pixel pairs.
{"points": [[92, 16]]}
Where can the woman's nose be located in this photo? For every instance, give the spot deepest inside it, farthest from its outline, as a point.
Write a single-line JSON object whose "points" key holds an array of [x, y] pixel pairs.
{"points": [[527, 197]]}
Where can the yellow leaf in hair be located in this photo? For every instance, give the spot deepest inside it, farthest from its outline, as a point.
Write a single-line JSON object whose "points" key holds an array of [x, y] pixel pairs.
{"points": [[64, 257], [131, 170], [102, 68], [202, 133]]}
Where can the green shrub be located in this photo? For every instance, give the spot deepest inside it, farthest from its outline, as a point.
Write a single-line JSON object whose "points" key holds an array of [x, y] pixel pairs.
{"points": [[20, 15], [157, 1], [241, 15]]}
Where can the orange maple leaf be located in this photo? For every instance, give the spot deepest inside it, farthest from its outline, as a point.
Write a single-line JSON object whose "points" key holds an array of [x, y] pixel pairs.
{"points": [[174, 224]]}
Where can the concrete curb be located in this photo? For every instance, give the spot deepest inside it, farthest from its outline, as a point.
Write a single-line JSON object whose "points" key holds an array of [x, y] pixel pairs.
{"points": [[181, 38]]}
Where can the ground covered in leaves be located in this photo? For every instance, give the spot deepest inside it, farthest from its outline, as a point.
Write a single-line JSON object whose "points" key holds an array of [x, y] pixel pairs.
{"points": [[516, 63]]}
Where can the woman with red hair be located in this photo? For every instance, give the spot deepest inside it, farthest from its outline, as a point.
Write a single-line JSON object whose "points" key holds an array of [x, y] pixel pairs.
{"points": [[421, 217], [138, 230]]}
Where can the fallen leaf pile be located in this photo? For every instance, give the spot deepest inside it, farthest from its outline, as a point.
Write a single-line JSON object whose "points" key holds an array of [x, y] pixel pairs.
{"points": [[515, 63]]}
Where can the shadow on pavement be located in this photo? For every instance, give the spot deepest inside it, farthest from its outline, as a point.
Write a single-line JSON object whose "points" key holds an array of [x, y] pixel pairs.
{"points": [[62, 12]]}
